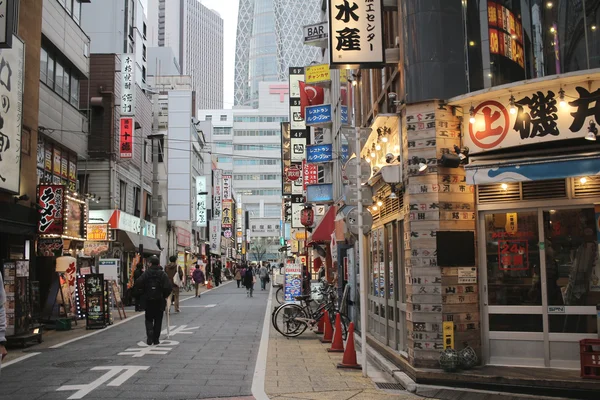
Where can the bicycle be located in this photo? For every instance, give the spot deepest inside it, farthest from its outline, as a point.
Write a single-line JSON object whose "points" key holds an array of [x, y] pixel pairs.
{"points": [[291, 320]]}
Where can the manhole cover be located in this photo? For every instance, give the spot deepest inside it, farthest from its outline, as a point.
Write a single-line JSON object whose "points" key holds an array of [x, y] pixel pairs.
{"points": [[94, 362], [389, 386]]}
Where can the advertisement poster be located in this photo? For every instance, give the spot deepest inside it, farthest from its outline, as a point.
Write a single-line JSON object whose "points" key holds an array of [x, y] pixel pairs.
{"points": [[22, 269], [9, 289], [49, 247], [51, 201], [80, 297], [66, 267], [292, 282], [95, 301]]}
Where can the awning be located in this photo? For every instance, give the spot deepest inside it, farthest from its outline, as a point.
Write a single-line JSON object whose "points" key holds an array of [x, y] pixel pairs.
{"points": [[532, 169], [132, 242], [325, 227]]}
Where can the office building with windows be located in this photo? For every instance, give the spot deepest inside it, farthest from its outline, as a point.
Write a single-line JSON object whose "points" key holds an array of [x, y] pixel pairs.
{"points": [[269, 41], [246, 144], [195, 33]]}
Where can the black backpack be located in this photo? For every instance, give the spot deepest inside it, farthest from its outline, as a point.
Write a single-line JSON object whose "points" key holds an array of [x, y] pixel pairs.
{"points": [[154, 289]]}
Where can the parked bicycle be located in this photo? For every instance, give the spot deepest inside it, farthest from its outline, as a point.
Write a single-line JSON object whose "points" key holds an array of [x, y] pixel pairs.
{"points": [[291, 320]]}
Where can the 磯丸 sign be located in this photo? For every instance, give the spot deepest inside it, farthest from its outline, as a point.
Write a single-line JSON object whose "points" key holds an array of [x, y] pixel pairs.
{"points": [[356, 34], [318, 153], [318, 115], [540, 114]]}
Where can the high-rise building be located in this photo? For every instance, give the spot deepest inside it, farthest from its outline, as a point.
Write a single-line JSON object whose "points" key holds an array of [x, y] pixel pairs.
{"points": [[195, 33], [246, 144], [269, 41]]}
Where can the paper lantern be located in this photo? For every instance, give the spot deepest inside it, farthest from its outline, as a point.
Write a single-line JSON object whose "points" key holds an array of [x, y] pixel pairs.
{"points": [[307, 217]]}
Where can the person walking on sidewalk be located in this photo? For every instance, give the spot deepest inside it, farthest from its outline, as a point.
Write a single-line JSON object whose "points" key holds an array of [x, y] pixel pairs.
{"points": [[3, 351], [238, 276], [263, 274], [175, 275], [217, 273], [136, 275], [248, 280], [198, 277], [154, 286]]}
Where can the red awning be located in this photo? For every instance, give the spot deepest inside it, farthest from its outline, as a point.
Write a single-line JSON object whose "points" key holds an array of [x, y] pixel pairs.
{"points": [[325, 227]]}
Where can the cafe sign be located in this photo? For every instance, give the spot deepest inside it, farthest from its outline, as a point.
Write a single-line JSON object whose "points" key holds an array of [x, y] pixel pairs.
{"points": [[526, 117], [97, 232]]}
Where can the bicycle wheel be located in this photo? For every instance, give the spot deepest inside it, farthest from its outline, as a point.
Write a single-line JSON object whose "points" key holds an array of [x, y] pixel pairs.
{"points": [[345, 321], [279, 295], [287, 320]]}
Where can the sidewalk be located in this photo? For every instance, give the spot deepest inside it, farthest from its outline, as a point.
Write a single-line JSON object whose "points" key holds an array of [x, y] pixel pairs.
{"points": [[301, 368]]}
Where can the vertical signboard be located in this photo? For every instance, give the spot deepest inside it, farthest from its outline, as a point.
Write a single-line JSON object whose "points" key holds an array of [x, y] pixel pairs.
{"points": [[217, 192], [285, 158], [356, 33], [51, 202], [11, 93], [227, 214], [6, 23], [201, 201], [215, 236], [126, 138], [127, 84], [226, 188]]}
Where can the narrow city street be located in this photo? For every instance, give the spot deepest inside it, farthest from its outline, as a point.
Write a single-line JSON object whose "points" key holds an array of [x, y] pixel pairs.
{"points": [[211, 353]]}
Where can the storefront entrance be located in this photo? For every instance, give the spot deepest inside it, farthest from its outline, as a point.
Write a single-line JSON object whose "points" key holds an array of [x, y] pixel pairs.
{"points": [[540, 284]]}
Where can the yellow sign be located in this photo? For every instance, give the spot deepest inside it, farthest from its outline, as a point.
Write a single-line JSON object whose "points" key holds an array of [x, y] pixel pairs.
{"points": [[97, 232], [512, 224], [299, 234], [317, 73], [343, 76], [227, 214], [448, 332]]}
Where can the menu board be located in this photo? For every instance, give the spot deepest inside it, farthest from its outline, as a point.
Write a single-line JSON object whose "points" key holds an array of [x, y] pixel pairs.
{"points": [[292, 282], [10, 275], [95, 301], [80, 297]]}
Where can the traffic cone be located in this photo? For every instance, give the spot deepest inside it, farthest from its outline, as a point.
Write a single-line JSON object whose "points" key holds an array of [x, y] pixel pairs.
{"points": [[328, 335], [209, 284], [319, 330], [337, 346], [349, 360]]}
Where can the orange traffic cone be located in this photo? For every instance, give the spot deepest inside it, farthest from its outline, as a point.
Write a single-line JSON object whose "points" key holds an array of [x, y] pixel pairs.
{"points": [[209, 284], [349, 360], [328, 335], [337, 346], [319, 330]]}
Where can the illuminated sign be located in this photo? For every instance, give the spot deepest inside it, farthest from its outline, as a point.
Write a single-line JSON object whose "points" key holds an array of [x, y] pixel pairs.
{"points": [[126, 138]]}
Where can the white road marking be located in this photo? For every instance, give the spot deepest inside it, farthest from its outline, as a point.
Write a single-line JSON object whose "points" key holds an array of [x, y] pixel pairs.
{"points": [[181, 330], [82, 390], [200, 306], [258, 381], [16, 360], [145, 350]]}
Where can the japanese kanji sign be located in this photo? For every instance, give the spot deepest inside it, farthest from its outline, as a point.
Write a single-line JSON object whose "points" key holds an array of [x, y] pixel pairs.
{"points": [[217, 192], [11, 108], [226, 188], [318, 115], [318, 153], [51, 200], [215, 236], [536, 116], [127, 84], [201, 199], [310, 174], [356, 33], [227, 214], [126, 137], [506, 33]]}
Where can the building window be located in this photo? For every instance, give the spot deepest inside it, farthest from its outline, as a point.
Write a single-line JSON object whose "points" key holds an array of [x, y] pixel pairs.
{"points": [[223, 117], [74, 92], [50, 75], [221, 131], [136, 201], [161, 150], [43, 65], [209, 117], [59, 74], [224, 159], [146, 152], [123, 196], [148, 208]]}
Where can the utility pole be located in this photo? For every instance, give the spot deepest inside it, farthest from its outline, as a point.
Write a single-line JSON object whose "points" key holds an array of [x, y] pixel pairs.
{"points": [[141, 193]]}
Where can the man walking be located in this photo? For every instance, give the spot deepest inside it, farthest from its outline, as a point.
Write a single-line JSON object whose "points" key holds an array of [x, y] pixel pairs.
{"points": [[263, 273], [172, 270], [3, 351], [198, 277], [217, 273], [155, 286]]}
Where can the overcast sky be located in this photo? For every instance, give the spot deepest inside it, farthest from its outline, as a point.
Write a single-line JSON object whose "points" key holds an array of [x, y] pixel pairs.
{"points": [[228, 10]]}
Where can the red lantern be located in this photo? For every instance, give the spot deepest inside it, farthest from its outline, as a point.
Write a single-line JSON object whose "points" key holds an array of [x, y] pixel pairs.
{"points": [[307, 217]]}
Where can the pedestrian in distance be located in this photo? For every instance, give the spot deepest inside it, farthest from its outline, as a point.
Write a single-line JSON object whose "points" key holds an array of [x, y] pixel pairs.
{"points": [[154, 286], [3, 351], [198, 277], [249, 279], [136, 275], [263, 274], [175, 275], [217, 273], [238, 276]]}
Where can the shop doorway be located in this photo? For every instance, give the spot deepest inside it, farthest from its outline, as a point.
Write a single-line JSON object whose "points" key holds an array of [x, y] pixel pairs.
{"points": [[540, 273]]}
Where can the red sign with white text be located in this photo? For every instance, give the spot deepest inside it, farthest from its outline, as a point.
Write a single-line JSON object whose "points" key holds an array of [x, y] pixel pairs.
{"points": [[310, 174], [126, 137], [51, 200]]}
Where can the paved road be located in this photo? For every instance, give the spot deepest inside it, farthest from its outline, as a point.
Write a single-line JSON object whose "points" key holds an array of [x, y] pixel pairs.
{"points": [[216, 359]]}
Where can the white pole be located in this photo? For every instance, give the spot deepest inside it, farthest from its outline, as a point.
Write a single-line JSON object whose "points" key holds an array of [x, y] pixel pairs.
{"points": [[361, 262]]}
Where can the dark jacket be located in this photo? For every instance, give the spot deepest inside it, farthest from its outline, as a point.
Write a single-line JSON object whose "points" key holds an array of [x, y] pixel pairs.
{"points": [[198, 276], [248, 278], [170, 269], [141, 286], [137, 273]]}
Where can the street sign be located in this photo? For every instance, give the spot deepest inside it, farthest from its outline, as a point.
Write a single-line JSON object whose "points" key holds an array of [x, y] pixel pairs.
{"points": [[352, 221], [352, 195], [317, 153], [293, 173], [318, 115], [351, 173]]}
